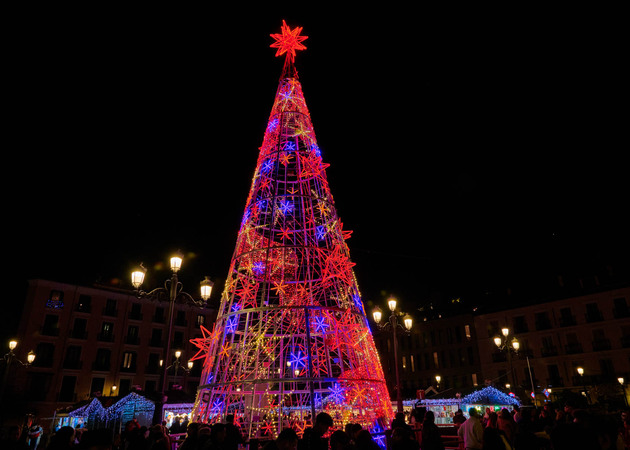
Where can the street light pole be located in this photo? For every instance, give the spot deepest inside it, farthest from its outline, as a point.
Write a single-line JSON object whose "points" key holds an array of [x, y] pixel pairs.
{"points": [[9, 358], [393, 323], [580, 371], [623, 388], [172, 291]]}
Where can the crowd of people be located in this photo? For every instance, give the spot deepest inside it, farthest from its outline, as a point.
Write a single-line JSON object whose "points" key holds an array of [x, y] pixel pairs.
{"points": [[544, 428], [526, 428]]}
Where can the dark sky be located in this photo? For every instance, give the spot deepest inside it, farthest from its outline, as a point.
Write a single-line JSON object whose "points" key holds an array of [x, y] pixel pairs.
{"points": [[466, 147]]}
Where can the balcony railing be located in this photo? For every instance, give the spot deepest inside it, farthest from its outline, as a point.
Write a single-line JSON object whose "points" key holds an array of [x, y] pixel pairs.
{"points": [[601, 344], [549, 351], [594, 316], [555, 382], [101, 366], [135, 315], [72, 364], [621, 313], [543, 324], [78, 334], [567, 321], [105, 337], [572, 349], [132, 340]]}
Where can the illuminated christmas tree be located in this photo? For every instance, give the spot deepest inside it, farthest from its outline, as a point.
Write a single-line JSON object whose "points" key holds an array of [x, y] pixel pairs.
{"points": [[291, 337]]}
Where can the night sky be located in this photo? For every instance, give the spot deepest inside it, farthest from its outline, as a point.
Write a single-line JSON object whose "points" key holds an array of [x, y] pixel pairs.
{"points": [[468, 150]]}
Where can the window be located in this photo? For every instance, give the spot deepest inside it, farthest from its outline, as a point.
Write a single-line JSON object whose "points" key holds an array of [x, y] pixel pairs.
{"points": [[436, 362], [129, 361], [110, 308], [201, 319], [136, 311], [404, 362], [79, 329], [45, 353], [593, 314], [180, 319], [85, 303], [51, 325], [55, 300], [474, 379], [471, 357], [107, 332], [520, 325], [132, 335], [66, 393], [467, 331], [156, 337], [621, 307], [73, 357], [159, 315], [566, 317], [413, 366], [97, 386], [542, 321], [103, 358]]}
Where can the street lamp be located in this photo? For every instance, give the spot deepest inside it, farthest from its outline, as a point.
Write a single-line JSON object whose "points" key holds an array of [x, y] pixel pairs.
{"points": [[438, 379], [580, 371], [623, 388], [171, 292], [392, 322], [504, 344], [9, 359]]}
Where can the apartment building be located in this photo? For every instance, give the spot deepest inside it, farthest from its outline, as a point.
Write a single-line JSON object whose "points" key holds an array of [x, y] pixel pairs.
{"points": [[444, 347], [555, 338], [91, 340]]}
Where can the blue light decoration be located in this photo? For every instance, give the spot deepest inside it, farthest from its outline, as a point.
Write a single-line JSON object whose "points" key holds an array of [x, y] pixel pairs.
{"points": [[336, 393], [546, 392], [289, 146], [231, 324], [315, 149], [285, 206], [272, 124], [258, 268], [267, 166], [320, 324], [297, 360], [320, 232], [489, 395]]}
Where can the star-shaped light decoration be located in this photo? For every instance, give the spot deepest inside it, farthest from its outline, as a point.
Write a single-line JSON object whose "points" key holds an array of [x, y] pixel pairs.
{"points": [[288, 42]]}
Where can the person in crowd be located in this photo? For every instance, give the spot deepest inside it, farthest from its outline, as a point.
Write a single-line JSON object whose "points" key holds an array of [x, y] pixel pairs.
{"points": [[471, 431], [399, 421], [431, 436], [192, 437], [63, 439], [287, 440], [98, 439], [14, 440], [624, 430], [506, 424], [218, 434], [313, 437], [493, 437], [459, 418], [233, 437], [35, 433], [340, 440], [158, 439], [365, 441]]}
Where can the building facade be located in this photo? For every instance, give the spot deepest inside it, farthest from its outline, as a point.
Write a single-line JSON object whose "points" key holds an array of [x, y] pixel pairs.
{"points": [[589, 331], [444, 347], [98, 341]]}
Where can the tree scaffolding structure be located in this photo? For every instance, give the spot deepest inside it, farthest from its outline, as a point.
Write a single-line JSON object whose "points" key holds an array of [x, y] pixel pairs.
{"points": [[291, 337]]}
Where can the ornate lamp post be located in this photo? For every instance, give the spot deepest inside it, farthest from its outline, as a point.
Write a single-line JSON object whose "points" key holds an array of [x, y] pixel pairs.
{"points": [[623, 388], [171, 292], [9, 359], [392, 323], [437, 380], [580, 371], [503, 343]]}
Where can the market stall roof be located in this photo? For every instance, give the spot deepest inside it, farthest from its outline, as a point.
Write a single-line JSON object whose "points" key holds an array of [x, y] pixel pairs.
{"points": [[488, 395]]}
